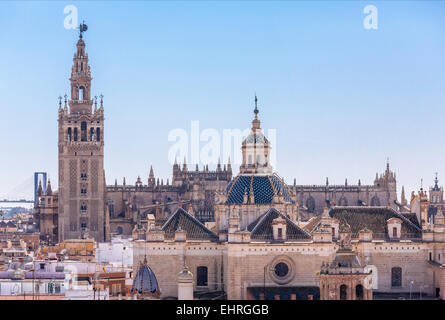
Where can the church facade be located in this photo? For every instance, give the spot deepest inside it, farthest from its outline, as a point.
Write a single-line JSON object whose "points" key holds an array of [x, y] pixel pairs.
{"points": [[249, 236], [259, 247]]}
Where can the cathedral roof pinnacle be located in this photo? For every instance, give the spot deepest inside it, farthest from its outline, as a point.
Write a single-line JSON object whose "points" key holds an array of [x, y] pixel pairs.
{"points": [[436, 185], [49, 191], [39, 188]]}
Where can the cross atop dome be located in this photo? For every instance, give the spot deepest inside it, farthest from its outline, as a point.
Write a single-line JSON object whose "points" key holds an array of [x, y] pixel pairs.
{"points": [[256, 123], [256, 107]]}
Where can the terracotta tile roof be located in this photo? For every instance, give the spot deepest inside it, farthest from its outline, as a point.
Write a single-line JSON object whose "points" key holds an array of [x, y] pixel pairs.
{"points": [[194, 229], [312, 224]]}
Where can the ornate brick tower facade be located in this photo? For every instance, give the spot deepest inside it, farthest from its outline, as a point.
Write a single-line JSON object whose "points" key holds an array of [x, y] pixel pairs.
{"points": [[82, 210]]}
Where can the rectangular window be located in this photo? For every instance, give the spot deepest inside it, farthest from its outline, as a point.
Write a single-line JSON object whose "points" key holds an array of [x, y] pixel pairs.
{"points": [[201, 276], [280, 233], [394, 232], [396, 277]]}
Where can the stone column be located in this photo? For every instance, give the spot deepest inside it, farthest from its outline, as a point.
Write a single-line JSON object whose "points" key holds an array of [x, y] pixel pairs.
{"points": [[185, 285]]}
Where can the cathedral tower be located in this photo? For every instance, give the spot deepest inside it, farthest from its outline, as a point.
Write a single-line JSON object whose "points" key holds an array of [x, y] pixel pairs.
{"points": [[81, 156]]}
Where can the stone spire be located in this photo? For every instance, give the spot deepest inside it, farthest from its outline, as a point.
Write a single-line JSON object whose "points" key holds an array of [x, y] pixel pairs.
{"points": [[151, 175], [39, 188], [403, 199], [49, 191], [184, 166]]}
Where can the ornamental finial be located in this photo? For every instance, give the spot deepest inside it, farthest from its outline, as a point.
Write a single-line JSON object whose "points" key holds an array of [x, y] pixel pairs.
{"points": [[256, 107]]}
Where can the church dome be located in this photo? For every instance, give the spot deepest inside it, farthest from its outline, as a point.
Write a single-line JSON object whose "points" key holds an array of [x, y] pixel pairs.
{"points": [[145, 281], [255, 137], [259, 189]]}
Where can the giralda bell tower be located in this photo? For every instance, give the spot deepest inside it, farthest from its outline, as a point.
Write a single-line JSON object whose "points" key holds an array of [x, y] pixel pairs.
{"points": [[82, 210]]}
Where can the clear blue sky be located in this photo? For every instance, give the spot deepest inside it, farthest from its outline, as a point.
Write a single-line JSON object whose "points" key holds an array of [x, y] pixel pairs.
{"points": [[342, 98]]}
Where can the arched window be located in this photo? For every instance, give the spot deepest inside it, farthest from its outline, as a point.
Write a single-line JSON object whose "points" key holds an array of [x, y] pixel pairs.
{"points": [[343, 201], [98, 134], [310, 204], [396, 277], [201, 279], [75, 134], [359, 292], [69, 134], [83, 131], [81, 93], [111, 208], [375, 201], [119, 230], [343, 292], [91, 134]]}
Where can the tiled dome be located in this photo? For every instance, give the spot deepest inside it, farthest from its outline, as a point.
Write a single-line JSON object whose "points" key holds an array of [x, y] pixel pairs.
{"points": [[260, 188], [145, 281]]}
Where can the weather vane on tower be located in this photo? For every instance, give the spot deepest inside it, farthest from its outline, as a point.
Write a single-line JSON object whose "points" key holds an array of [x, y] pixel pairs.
{"points": [[82, 28]]}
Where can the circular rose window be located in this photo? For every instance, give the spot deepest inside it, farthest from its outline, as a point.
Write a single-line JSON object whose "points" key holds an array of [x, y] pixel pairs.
{"points": [[281, 269]]}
